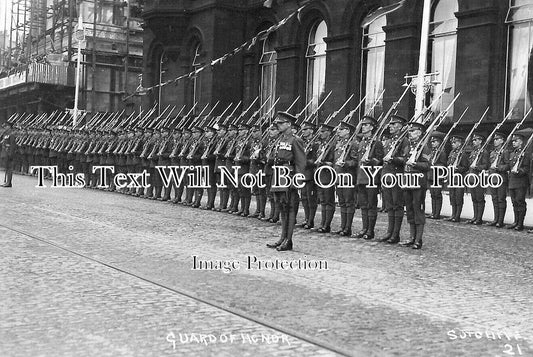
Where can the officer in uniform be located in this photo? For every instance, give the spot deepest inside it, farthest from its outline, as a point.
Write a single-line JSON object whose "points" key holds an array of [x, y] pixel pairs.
{"points": [[499, 164], [414, 197], [367, 197], [309, 192], [457, 194], [393, 196], [478, 161], [438, 158], [519, 177], [7, 152], [290, 153]]}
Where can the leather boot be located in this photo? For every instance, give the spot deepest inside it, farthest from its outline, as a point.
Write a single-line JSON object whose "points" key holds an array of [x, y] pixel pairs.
{"points": [[370, 231], [364, 218], [305, 205], [349, 220], [412, 236], [312, 214], [515, 223], [275, 219], [284, 220], [224, 198], [475, 207], [438, 208], [496, 216], [234, 202], [520, 224], [149, 191], [246, 206], [343, 221], [433, 208], [479, 216], [198, 199], [166, 194], [189, 194], [501, 217], [291, 222], [458, 211], [418, 238], [398, 219], [262, 207], [326, 228], [272, 209], [454, 213], [390, 228], [211, 193], [323, 216]]}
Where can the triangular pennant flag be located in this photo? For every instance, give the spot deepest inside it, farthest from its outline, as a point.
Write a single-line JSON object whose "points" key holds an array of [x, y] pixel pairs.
{"points": [[382, 11]]}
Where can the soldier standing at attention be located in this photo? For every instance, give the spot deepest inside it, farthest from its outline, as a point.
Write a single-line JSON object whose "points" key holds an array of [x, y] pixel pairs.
{"points": [[481, 163], [415, 197], [438, 158], [271, 142], [309, 192], [393, 196], [326, 195], [289, 153], [345, 160], [457, 194], [223, 138], [367, 197], [7, 152], [499, 165], [519, 178], [257, 163], [208, 159]]}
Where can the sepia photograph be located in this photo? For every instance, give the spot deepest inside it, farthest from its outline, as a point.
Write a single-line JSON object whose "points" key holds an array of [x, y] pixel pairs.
{"points": [[266, 178]]}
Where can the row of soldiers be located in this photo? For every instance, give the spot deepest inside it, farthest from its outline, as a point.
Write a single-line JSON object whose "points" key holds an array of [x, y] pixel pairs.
{"points": [[346, 148]]}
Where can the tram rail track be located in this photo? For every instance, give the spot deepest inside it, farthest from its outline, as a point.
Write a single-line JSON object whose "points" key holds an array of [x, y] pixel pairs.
{"points": [[190, 295]]}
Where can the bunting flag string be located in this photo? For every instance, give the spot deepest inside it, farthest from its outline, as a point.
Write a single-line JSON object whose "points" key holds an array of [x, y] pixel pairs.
{"points": [[247, 45]]}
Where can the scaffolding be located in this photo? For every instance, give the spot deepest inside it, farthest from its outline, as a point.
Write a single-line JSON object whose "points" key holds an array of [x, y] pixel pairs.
{"points": [[35, 29], [41, 32]]}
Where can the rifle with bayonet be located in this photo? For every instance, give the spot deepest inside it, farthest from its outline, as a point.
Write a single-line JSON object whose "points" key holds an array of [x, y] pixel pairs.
{"points": [[214, 138], [427, 135], [244, 143], [496, 161], [328, 120], [394, 144], [370, 147], [445, 139], [521, 155], [320, 105], [489, 139], [468, 137]]}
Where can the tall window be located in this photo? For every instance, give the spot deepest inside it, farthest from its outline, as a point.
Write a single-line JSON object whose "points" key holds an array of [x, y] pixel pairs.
{"points": [[520, 57], [268, 73], [373, 64], [443, 37], [316, 64], [196, 82]]}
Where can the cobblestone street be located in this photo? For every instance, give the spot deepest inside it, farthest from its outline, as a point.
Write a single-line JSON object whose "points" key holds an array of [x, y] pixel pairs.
{"points": [[92, 273]]}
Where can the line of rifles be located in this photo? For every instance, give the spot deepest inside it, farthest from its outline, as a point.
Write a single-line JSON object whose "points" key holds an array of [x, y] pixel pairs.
{"points": [[132, 143]]}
